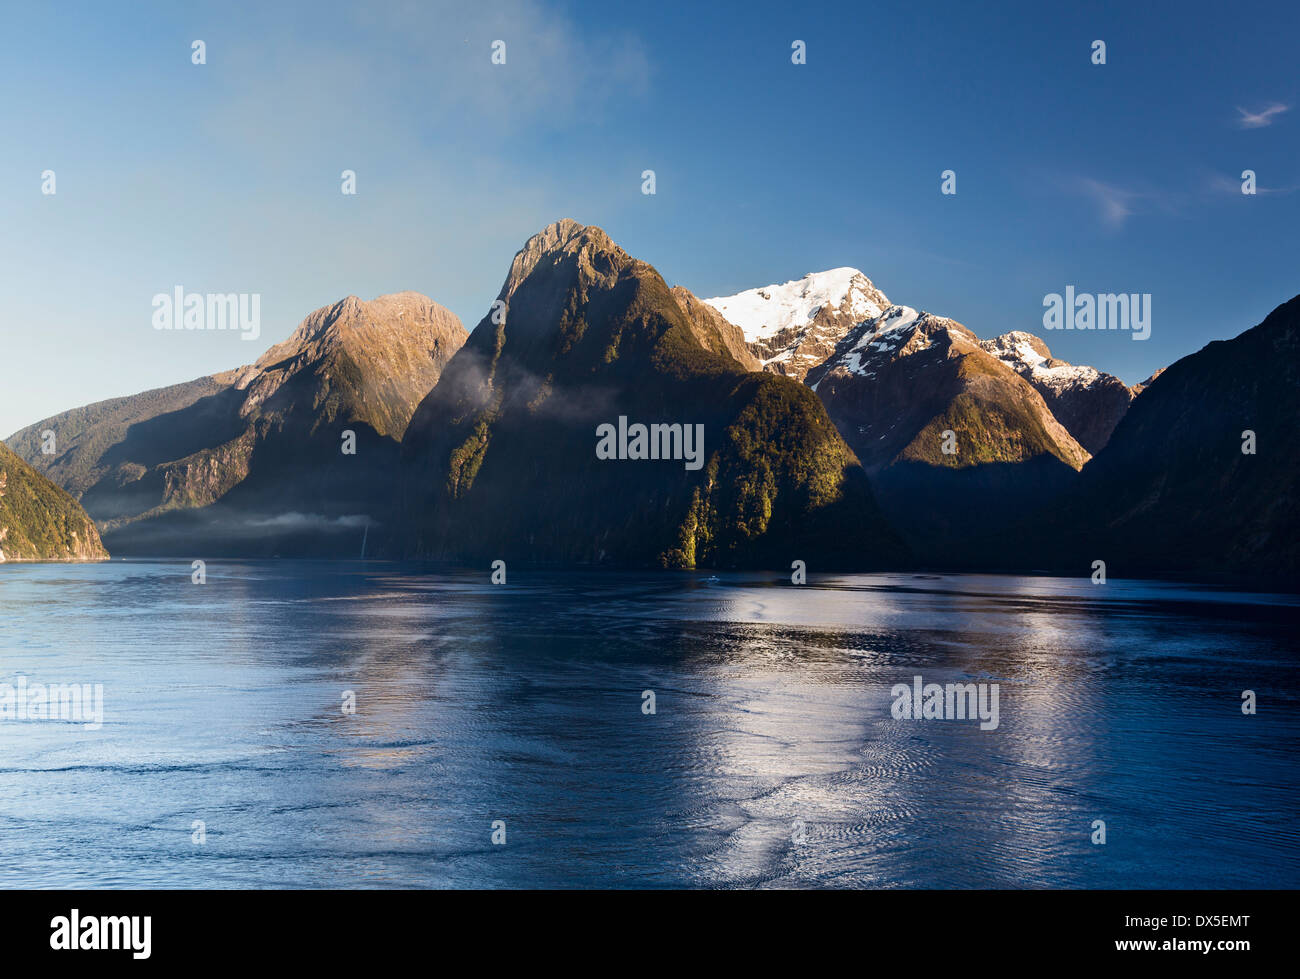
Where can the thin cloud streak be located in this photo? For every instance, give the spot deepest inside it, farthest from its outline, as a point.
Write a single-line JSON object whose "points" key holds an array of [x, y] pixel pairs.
{"points": [[1258, 120], [1113, 202]]}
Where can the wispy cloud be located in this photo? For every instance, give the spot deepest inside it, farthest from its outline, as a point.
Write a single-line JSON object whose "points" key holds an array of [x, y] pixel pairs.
{"points": [[1114, 203], [1257, 120]]}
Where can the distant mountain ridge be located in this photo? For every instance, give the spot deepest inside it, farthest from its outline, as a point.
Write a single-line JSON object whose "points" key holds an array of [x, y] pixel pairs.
{"points": [[251, 458], [952, 437], [795, 329], [839, 429], [1088, 402], [898, 381]]}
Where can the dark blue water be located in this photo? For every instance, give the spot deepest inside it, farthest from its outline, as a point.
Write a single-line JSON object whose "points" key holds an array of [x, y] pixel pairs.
{"points": [[772, 760]]}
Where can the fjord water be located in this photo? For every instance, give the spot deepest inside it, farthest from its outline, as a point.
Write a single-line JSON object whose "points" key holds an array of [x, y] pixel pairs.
{"points": [[523, 702]]}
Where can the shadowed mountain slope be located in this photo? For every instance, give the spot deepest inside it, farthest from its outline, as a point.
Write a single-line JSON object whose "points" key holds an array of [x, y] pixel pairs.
{"points": [[501, 459]]}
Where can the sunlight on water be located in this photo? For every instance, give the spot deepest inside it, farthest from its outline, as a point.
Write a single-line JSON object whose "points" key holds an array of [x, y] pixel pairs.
{"points": [[773, 757]]}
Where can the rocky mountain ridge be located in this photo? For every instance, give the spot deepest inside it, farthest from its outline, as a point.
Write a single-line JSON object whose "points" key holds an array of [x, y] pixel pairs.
{"points": [[792, 327], [502, 456], [233, 459]]}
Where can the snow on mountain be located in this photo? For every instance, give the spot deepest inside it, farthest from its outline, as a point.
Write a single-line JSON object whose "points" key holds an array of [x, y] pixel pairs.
{"points": [[897, 380], [1087, 401], [1029, 357], [794, 326], [882, 338], [838, 321]]}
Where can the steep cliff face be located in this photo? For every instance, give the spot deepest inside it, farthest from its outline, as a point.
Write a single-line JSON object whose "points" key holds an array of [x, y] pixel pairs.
{"points": [[252, 461], [955, 441], [714, 332], [1200, 477], [367, 362], [504, 457], [39, 521], [1088, 402], [896, 383]]}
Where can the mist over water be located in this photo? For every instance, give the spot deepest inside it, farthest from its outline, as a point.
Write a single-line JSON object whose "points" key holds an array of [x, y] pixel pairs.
{"points": [[523, 703]]}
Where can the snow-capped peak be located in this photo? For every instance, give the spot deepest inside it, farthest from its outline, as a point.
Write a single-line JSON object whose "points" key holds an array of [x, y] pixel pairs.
{"points": [[1029, 356], [884, 337], [794, 326], [764, 312]]}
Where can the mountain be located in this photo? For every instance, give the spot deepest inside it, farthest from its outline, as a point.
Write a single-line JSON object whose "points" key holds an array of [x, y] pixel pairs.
{"points": [[1173, 494], [897, 383], [519, 452], [39, 521], [1088, 402], [793, 327], [250, 461], [714, 331], [1139, 388], [796, 327]]}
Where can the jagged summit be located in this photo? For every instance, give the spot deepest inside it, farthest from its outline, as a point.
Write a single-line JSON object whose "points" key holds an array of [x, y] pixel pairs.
{"points": [[1019, 344], [501, 457], [1087, 401], [794, 326], [897, 331], [382, 355], [897, 380], [396, 316], [1030, 355], [565, 240]]}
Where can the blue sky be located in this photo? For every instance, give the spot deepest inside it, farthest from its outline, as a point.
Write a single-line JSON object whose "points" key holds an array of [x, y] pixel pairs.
{"points": [[224, 177]]}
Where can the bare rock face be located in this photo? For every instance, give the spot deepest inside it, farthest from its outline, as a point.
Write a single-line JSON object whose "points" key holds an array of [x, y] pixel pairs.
{"points": [[897, 382], [793, 327], [39, 521], [1088, 402], [714, 331], [955, 441], [377, 359], [231, 461]]}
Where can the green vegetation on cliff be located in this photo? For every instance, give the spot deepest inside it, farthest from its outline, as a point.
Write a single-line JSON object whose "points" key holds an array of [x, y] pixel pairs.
{"points": [[500, 459], [39, 521]]}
